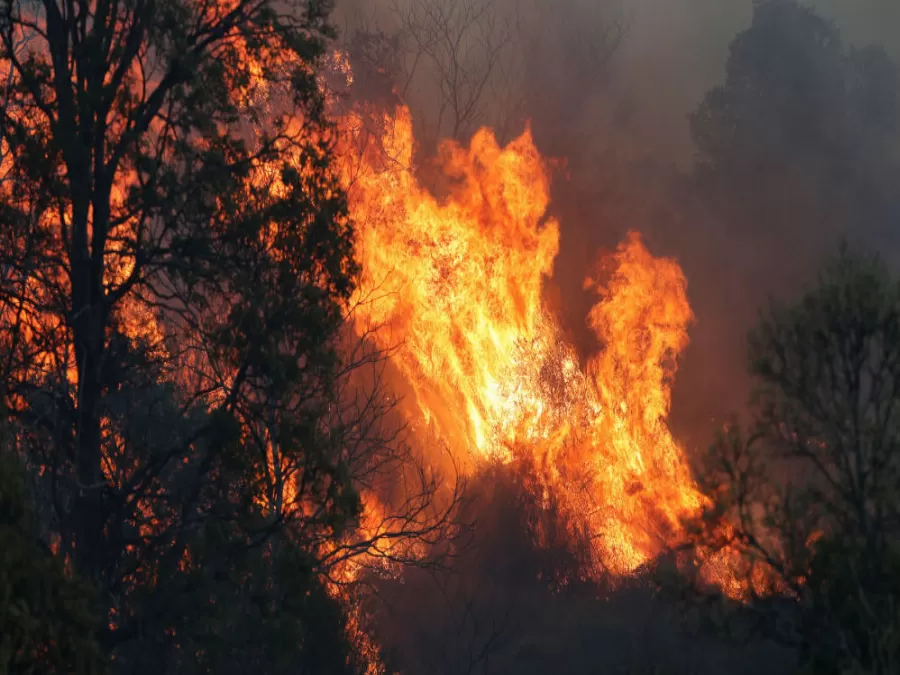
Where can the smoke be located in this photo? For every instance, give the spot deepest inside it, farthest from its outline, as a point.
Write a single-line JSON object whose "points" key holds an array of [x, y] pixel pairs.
{"points": [[748, 205], [638, 171], [609, 86], [676, 51]]}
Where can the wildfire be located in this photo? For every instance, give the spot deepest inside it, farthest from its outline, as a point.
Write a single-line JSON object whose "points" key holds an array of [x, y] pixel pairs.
{"points": [[456, 286]]}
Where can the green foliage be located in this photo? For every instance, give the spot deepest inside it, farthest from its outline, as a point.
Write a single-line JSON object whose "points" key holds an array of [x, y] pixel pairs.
{"points": [[46, 623], [242, 610]]}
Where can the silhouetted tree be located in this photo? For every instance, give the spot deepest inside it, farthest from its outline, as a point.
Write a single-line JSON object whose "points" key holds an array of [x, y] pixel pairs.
{"points": [[811, 492], [520, 596], [798, 146], [803, 137], [46, 624], [176, 259]]}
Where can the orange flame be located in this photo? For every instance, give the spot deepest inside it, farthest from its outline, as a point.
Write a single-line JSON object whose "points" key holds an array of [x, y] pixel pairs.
{"points": [[456, 285]]}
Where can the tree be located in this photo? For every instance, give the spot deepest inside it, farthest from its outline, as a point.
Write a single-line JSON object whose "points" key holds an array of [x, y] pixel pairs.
{"points": [[470, 63], [797, 147], [176, 260], [803, 134], [45, 621], [809, 494]]}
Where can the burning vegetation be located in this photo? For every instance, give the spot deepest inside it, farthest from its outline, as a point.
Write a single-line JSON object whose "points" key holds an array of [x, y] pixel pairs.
{"points": [[288, 384], [455, 289]]}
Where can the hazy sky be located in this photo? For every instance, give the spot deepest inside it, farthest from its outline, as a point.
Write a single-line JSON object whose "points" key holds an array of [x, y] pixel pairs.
{"points": [[676, 51]]}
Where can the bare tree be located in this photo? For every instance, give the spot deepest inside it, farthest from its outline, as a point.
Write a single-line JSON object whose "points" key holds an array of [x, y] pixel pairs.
{"points": [[463, 44], [467, 63], [411, 503]]}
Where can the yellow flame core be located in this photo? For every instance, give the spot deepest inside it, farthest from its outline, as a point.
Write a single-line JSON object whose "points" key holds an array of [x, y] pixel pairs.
{"points": [[456, 285], [459, 283]]}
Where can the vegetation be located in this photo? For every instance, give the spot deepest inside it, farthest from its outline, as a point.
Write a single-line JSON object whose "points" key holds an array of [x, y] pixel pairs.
{"points": [[810, 488], [176, 253], [187, 432], [46, 624], [808, 482], [810, 123], [511, 602]]}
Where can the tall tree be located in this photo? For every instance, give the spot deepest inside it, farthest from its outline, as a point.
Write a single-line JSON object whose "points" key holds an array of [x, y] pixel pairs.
{"points": [[176, 257], [803, 136], [798, 146]]}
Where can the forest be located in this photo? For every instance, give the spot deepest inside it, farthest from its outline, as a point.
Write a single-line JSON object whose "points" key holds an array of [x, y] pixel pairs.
{"points": [[401, 337]]}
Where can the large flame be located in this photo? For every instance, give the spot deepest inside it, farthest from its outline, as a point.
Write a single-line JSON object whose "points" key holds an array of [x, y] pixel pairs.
{"points": [[456, 286]]}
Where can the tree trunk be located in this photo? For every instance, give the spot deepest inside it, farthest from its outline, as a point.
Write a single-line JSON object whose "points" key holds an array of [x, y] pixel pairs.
{"points": [[88, 323]]}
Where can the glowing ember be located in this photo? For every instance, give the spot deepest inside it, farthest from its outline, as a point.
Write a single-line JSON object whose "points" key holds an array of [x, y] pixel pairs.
{"points": [[457, 284]]}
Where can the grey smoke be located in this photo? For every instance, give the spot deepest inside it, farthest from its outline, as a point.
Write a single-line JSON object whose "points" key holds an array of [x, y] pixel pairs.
{"points": [[677, 50], [631, 157]]}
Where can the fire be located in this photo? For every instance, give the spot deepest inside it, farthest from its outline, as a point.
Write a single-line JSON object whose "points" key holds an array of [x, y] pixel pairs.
{"points": [[455, 286], [460, 284]]}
